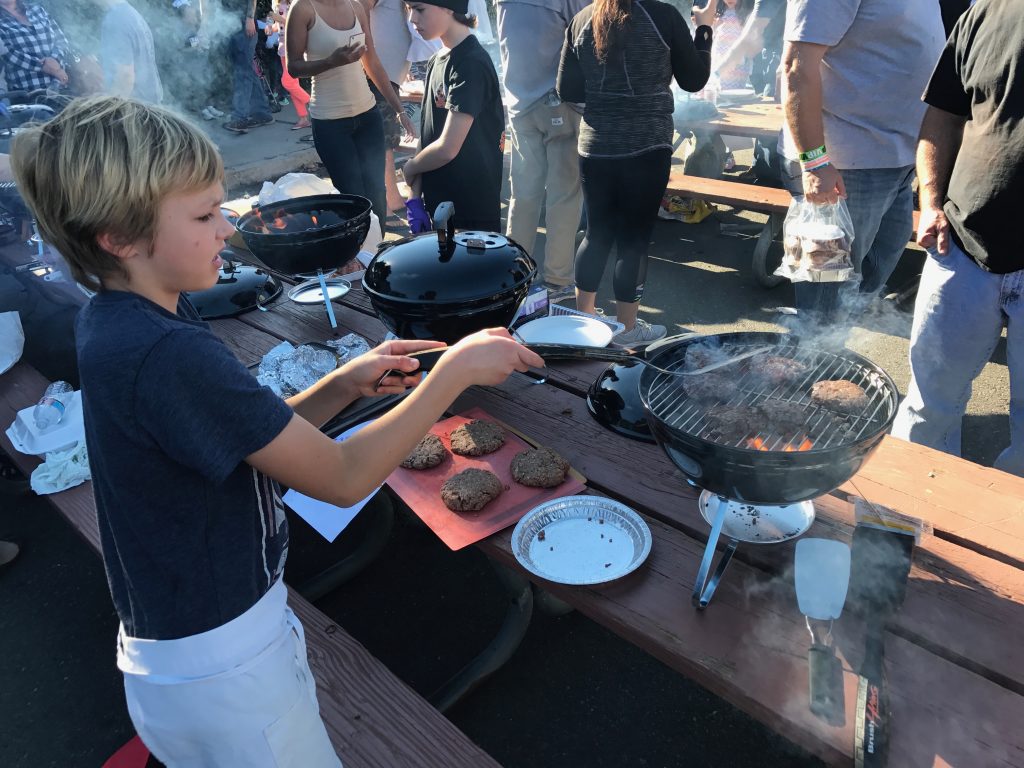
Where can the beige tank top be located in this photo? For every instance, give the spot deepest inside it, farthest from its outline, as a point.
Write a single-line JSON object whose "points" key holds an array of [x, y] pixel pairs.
{"points": [[342, 91]]}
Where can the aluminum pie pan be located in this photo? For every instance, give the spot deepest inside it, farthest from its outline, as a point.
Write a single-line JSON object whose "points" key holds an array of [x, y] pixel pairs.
{"points": [[581, 540], [310, 292], [758, 523]]}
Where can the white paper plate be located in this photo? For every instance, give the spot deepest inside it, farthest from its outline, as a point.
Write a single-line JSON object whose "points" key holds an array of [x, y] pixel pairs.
{"points": [[581, 540], [566, 329], [309, 292]]}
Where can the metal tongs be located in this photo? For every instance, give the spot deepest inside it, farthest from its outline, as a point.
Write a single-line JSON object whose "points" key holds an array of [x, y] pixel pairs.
{"points": [[428, 358], [822, 576]]}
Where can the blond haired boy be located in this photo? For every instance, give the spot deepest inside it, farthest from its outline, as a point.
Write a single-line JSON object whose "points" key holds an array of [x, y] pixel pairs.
{"points": [[185, 446]]}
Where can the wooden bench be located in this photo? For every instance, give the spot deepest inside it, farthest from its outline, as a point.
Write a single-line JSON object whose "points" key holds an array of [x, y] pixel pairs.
{"points": [[747, 197], [373, 718]]}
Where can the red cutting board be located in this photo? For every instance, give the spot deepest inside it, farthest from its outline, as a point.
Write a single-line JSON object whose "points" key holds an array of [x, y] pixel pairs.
{"points": [[421, 489]]}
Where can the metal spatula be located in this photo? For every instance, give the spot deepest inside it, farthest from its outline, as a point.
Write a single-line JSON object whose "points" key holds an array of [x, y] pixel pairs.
{"points": [[822, 575]]}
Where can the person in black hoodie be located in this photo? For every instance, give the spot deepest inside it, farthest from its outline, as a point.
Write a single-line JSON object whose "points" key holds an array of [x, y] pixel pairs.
{"points": [[618, 59]]}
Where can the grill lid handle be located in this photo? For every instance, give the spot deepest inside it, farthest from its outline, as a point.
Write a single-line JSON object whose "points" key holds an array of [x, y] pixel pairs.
{"points": [[444, 225]]}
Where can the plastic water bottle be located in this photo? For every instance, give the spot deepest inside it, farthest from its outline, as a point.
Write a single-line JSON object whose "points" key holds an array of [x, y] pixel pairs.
{"points": [[50, 408]]}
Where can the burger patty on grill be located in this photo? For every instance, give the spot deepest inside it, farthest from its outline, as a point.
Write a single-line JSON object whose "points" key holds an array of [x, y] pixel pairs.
{"points": [[776, 370], [708, 388], [839, 395]]}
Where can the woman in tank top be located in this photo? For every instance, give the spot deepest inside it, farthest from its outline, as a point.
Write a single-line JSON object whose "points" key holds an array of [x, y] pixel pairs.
{"points": [[330, 41]]}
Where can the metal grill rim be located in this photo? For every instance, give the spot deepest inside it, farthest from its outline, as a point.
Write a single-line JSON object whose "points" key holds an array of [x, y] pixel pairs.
{"points": [[669, 402]]}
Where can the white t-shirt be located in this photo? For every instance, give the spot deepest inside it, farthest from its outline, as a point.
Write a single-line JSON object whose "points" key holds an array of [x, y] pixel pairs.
{"points": [[881, 54]]}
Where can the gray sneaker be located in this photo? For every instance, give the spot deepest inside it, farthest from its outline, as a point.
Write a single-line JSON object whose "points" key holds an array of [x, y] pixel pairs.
{"points": [[557, 293], [643, 333]]}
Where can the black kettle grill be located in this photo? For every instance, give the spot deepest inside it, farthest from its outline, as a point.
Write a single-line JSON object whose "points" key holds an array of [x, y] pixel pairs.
{"points": [[445, 285]]}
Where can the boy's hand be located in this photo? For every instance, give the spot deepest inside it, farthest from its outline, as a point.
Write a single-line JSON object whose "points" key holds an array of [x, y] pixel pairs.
{"points": [[362, 374], [487, 358]]}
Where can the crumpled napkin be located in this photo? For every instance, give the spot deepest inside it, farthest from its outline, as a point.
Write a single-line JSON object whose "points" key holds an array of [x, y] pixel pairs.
{"points": [[62, 470]]}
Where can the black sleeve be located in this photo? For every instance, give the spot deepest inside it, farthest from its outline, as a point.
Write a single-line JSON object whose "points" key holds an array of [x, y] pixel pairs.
{"points": [[951, 11], [467, 88], [570, 83], [945, 89], [691, 60]]}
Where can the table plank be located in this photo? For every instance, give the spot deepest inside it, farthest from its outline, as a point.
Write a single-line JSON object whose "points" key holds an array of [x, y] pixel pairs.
{"points": [[756, 120], [750, 648], [946, 580]]}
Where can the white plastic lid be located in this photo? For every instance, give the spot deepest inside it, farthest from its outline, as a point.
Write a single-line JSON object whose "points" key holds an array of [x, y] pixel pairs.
{"points": [[27, 438]]}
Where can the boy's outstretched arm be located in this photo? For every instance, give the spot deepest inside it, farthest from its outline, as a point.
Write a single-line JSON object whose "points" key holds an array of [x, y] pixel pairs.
{"points": [[303, 458]]}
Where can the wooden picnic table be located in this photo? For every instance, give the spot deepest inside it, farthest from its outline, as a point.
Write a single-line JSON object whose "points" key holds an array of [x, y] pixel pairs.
{"points": [[954, 660], [953, 656], [756, 119]]}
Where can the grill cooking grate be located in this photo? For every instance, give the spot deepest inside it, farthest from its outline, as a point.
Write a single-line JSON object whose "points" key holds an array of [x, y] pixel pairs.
{"points": [[671, 404]]}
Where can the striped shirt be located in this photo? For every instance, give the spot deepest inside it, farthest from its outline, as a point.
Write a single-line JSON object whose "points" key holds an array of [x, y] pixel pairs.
{"points": [[628, 101]]}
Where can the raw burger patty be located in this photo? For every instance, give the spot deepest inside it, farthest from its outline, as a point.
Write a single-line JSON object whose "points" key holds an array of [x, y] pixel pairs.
{"points": [[428, 453], [539, 468], [470, 490], [839, 395], [477, 438]]}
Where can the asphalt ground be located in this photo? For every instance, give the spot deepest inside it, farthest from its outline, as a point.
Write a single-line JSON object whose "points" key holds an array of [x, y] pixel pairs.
{"points": [[573, 694]]}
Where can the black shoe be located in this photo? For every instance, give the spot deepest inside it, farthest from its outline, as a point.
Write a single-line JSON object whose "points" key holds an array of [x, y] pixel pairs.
{"points": [[236, 126], [258, 122]]}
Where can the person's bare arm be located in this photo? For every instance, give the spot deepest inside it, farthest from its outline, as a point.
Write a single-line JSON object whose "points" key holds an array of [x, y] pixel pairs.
{"points": [[746, 45], [375, 71], [300, 21], [303, 458], [801, 102], [937, 148], [444, 148], [706, 15]]}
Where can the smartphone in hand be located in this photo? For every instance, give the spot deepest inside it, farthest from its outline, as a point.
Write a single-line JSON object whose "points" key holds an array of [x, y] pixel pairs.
{"points": [[357, 39]]}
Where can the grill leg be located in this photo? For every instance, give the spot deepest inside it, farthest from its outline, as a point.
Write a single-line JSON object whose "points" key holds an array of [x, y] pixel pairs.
{"points": [[704, 588]]}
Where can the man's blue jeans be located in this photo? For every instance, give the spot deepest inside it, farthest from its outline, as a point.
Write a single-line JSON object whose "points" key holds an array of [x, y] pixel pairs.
{"points": [[959, 315], [352, 150], [248, 101], [881, 204]]}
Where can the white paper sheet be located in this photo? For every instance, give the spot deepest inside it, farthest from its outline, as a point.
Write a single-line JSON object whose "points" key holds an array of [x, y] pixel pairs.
{"points": [[327, 520]]}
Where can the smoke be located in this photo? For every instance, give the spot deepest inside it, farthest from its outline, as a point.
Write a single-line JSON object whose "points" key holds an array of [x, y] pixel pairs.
{"points": [[192, 44]]}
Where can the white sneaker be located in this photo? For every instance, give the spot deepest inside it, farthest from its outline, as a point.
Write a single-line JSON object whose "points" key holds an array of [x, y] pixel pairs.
{"points": [[214, 111], [207, 114], [643, 333]]}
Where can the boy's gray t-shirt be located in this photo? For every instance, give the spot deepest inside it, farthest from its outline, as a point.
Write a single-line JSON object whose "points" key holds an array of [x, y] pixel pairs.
{"points": [[881, 54], [192, 535], [126, 40]]}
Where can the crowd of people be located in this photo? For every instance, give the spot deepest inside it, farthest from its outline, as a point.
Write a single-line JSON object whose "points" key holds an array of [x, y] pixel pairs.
{"points": [[194, 555]]}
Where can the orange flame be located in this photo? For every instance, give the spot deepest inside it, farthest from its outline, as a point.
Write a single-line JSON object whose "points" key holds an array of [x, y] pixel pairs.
{"points": [[760, 445]]}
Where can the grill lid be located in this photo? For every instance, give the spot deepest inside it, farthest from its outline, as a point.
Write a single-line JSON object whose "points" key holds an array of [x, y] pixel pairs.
{"points": [[443, 267]]}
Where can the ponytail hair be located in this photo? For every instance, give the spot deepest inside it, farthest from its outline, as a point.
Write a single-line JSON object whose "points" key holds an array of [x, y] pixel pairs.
{"points": [[609, 17], [468, 20]]}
